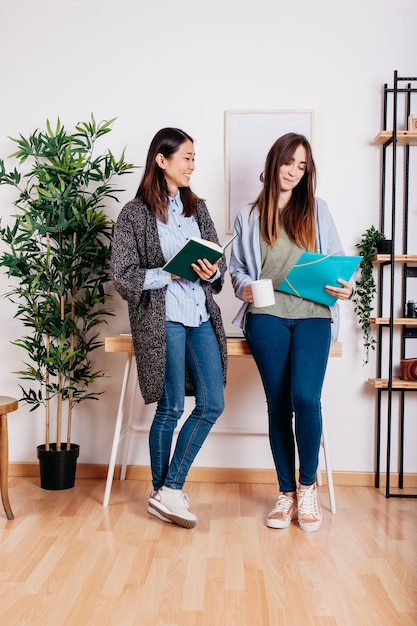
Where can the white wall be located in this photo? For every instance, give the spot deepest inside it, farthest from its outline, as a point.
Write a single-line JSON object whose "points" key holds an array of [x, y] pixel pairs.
{"points": [[183, 63]]}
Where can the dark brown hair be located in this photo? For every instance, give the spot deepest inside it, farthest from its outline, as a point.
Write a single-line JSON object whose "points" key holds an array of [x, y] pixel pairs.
{"points": [[298, 217], [153, 188]]}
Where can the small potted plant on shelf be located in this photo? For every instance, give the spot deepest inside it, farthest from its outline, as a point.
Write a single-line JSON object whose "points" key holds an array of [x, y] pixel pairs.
{"points": [[365, 286], [58, 254]]}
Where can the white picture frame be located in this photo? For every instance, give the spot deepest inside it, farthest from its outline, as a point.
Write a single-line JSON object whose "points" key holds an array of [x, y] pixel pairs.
{"points": [[249, 134]]}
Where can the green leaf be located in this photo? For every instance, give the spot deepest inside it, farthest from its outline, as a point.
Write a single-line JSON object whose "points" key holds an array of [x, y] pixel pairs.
{"points": [[57, 254]]}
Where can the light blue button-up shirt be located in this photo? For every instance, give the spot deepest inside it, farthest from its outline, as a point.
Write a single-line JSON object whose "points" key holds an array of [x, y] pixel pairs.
{"points": [[185, 301]]}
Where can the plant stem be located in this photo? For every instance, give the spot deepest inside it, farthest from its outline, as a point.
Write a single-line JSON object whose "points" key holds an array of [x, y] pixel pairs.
{"points": [[47, 342], [71, 393]]}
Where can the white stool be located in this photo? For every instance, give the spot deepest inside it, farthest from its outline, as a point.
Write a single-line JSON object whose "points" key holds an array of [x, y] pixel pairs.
{"points": [[122, 430], [330, 487]]}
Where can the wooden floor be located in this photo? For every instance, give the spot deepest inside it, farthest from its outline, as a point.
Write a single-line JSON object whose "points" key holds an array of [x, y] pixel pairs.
{"points": [[67, 561]]}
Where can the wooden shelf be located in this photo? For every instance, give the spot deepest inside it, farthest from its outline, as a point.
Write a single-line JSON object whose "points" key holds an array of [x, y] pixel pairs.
{"points": [[398, 321], [397, 383], [398, 258], [404, 137]]}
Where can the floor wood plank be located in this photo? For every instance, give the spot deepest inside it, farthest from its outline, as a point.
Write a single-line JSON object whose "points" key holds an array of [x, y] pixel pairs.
{"points": [[65, 560]]}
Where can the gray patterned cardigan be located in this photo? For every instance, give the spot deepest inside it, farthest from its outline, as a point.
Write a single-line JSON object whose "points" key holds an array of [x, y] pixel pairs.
{"points": [[135, 249]]}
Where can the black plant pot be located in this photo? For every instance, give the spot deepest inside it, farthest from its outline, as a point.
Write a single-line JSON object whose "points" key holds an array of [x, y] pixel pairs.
{"points": [[57, 469], [384, 246]]}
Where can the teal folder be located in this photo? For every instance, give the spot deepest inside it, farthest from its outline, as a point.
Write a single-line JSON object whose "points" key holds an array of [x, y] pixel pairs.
{"points": [[313, 272]]}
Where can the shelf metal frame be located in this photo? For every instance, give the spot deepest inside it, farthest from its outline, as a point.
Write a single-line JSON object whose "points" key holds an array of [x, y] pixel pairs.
{"points": [[393, 140]]}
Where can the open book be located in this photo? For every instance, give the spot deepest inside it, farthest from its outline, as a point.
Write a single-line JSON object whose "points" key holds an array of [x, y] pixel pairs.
{"points": [[193, 249], [312, 272]]}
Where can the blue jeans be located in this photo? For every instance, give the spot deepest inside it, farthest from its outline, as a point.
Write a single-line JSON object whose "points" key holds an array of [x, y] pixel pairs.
{"points": [[291, 356], [198, 349]]}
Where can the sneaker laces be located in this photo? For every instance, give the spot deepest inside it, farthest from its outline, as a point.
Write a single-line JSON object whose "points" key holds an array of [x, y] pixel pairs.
{"points": [[307, 502], [176, 497], [283, 504]]}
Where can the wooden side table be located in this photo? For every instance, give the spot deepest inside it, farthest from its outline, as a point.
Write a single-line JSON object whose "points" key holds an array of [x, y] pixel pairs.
{"points": [[7, 405]]}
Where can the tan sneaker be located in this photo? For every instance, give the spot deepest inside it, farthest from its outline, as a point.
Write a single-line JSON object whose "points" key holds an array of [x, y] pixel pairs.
{"points": [[283, 512], [309, 509]]}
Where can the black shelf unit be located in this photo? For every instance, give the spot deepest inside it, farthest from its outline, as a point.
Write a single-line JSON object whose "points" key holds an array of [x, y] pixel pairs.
{"points": [[394, 330]]}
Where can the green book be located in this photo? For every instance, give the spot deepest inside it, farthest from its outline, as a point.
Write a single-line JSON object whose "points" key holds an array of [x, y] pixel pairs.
{"points": [[193, 249]]}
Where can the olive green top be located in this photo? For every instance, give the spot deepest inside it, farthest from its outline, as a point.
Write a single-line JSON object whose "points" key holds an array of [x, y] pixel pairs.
{"points": [[277, 261]]}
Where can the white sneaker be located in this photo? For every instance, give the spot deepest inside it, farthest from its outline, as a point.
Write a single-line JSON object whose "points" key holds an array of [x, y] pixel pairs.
{"points": [[171, 505], [154, 511], [283, 512], [309, 509]]}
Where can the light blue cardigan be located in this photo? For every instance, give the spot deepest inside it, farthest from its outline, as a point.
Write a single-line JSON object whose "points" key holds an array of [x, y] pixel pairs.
{"points": [[245, 260]]}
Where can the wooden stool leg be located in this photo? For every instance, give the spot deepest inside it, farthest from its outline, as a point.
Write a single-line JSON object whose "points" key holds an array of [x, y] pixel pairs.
{"points": [[4, 466]]}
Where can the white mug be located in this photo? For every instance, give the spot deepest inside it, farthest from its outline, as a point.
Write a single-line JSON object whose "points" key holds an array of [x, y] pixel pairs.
{"points": [[263, 292]]}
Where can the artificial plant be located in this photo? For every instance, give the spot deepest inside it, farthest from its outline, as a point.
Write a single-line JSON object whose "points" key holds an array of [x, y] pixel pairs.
{"points": [[58, 256], [365, 287]]}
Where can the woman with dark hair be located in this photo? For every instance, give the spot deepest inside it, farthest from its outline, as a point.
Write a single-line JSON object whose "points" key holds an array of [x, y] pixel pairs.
{"points": [[290, 339], [177, 330]]}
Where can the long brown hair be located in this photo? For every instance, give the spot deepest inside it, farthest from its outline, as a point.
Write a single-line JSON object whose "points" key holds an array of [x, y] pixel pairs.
{"points": [[298, 217], [153, 188]]}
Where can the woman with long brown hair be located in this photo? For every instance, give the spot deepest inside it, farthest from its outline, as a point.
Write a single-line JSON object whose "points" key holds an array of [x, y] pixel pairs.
{"points": [[290, 339]]}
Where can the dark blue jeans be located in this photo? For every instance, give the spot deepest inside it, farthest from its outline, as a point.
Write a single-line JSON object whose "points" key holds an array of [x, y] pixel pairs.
{"points": [[199, 350], [291, 356]]}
